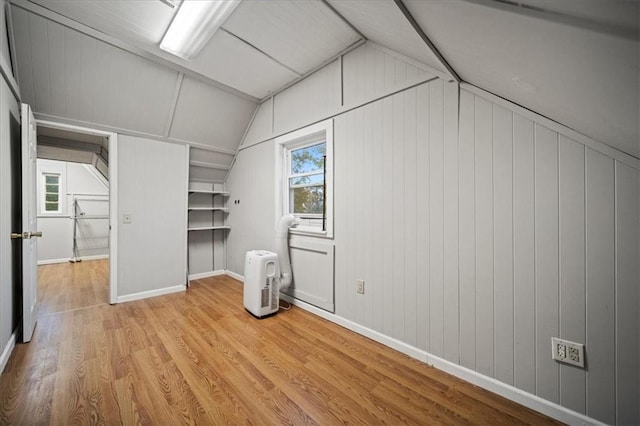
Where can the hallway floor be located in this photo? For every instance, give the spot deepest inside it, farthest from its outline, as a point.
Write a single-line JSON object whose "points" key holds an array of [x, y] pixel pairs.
{"points": [[68, 286]]}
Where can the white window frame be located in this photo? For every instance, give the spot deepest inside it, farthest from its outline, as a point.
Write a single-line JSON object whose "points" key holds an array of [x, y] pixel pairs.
{"points": [[51, 167], [307, 136]]}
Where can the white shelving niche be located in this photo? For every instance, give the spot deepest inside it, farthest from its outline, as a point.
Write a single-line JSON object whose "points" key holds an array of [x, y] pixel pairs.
{"points": [[206, 229]]}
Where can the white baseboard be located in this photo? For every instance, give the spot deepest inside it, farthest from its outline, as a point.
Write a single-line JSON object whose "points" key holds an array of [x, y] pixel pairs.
{"points": [[66, 259], [235, 276], [514, 394], [52, 261], [96, 257], [206, 274], [8, 349], [151, 293]]}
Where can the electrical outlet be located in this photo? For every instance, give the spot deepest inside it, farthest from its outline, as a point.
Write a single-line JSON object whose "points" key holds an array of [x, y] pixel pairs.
{"points": [[567, 352], [360, 286]]}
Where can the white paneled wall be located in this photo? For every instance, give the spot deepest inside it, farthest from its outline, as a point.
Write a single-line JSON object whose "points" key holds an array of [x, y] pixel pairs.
{"points": [[627, 292], [316, 95], [364, 74], [251, 183], [535, 239], [10, 269], [371, 71], [152, 247], [481, 231]]}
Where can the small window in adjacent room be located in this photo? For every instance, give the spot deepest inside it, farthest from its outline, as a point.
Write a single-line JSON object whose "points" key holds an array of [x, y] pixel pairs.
{"points": [[305, 183], [51, 193]]}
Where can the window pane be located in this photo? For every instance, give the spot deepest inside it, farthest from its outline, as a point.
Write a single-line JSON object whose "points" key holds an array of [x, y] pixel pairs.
{"points": [[51, 197], [307, 180], [306, 200], [52, 188], [308, 159], [51, 207], [51, 179]]}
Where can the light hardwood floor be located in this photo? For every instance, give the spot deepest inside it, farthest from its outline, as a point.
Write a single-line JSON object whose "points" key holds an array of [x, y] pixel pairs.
{"points": [[198, 358], [67, 286]]}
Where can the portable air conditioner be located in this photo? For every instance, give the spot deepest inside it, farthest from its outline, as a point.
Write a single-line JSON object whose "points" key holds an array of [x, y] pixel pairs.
{"points": [[261, 282]]}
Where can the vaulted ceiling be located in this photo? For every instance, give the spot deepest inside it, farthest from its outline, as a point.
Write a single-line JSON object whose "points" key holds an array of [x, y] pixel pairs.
{"points": [[574, 61]]}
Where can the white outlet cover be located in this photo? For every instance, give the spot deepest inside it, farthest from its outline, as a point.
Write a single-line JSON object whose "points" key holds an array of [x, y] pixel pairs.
{"points": [[567, 352]]}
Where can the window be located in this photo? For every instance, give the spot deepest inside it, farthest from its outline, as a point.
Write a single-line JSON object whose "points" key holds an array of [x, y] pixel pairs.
{"points": [[305, 183], [51, 193], [306, 179]]}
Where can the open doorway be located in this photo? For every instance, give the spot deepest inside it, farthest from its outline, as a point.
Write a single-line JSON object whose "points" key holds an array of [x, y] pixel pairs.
{"points": [[74, 186]]}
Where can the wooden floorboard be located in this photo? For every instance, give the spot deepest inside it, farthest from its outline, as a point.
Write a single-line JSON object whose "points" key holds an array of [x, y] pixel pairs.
{"points": [[199, 358], [67, 286]]}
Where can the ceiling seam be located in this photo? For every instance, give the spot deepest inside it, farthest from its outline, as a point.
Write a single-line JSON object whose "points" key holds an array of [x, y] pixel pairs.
{"points": [[298, 73], [339, 15], [313, 70], [427, 41], [555, 125], [174, 104], [129, 132], [339, 111], [558, 17]]}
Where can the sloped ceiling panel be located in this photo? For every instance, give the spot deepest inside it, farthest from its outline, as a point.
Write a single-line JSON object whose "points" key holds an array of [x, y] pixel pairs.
{"points": [[382, 22], [144, 21], [299, 34], [210, 116], [210, 157], [581, 77], [617, 15], [67, 74], [234, 63]]}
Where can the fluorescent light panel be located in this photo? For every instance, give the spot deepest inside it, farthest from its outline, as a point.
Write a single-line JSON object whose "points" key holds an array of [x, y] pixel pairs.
{"points": [[194, 24]]}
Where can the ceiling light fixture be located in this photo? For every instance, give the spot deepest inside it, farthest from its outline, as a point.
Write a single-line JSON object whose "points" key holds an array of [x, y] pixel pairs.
{"points": [[194, 24]]}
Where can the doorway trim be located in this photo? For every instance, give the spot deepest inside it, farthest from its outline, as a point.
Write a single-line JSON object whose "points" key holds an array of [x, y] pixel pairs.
{"points": [[113, 196]]}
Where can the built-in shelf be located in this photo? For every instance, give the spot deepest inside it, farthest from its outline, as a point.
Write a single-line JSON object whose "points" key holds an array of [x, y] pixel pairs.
{"points": [[208, 228], [208, 209], [213, 203], [205, 191]]}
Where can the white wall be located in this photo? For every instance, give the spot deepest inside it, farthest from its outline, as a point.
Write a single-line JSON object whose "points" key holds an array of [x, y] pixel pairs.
{"points": [[10, 282], [152, 188], [56, 244], [477, 249]]}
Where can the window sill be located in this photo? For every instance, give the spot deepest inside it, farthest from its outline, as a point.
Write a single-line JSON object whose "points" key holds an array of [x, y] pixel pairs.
{"points": [[317, 234]]}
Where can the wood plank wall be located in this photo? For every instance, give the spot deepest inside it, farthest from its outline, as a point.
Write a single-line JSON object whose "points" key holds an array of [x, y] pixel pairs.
{"points": [[537, 249], [480, 235]]}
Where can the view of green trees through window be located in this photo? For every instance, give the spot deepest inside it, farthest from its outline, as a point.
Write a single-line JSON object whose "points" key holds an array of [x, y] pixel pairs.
{"points": [[306, 179], [51, 193]]}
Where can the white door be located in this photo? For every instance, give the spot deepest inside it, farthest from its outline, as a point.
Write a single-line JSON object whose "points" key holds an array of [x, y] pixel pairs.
{"points": [[29, 224]]}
